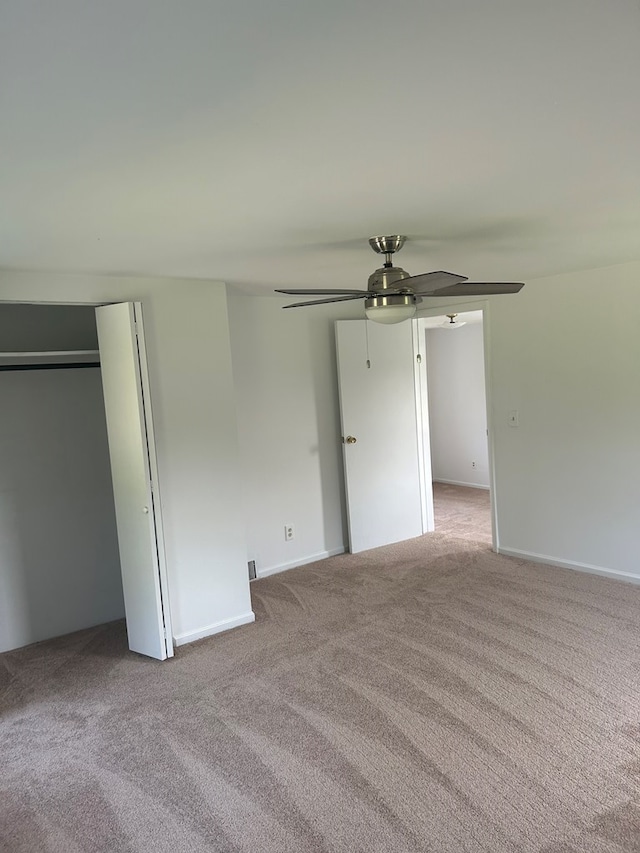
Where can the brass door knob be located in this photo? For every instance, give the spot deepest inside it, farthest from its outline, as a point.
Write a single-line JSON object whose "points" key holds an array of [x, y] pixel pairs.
{"points": [[350, 439]]}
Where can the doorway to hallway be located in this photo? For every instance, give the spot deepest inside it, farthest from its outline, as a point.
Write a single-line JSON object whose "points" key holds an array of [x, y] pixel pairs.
{"points": [[458, 424]]}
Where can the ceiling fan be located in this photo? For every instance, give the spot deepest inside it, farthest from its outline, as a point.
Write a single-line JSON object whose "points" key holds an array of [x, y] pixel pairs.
{"points": [[393, 295]]}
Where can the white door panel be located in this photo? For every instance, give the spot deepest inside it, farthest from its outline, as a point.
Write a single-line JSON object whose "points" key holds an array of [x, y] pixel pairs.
{"points": [[131, 448], [385, 496]]}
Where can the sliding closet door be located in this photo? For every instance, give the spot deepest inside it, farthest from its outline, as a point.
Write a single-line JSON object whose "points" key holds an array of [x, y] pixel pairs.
{"points": [[133, 470]]}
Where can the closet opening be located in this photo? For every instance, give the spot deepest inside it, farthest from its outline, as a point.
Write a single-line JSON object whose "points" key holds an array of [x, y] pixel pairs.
{"points": [[59, 565]]}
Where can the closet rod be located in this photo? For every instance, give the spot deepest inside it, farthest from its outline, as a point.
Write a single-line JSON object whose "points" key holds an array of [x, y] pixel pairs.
{"points": [[62, 366]]}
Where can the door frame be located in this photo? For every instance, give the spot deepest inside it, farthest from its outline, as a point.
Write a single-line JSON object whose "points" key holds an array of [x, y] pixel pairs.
{"points": [[423, 427], [462, 308], [165, 603]]}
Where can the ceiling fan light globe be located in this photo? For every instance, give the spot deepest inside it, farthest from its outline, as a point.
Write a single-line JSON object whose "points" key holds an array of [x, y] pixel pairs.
{"points": [[390, 309]]}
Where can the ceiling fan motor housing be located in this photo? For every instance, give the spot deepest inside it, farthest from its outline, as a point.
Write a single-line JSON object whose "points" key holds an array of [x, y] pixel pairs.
{"points": [[386, 278]]}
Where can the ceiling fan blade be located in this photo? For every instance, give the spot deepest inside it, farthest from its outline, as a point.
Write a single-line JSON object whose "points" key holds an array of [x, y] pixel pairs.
{"points": [[423, 284], [325, 291], [360, 295], [478, 288]]}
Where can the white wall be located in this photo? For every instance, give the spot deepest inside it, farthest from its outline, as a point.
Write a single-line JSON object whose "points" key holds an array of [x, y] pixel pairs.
{"points": [[284, 366], [59, 564], [457, 405], [196, 435], [565, 353]]}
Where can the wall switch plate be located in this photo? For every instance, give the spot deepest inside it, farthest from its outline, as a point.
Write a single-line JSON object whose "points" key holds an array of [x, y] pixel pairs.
{"points": [[288, 532], [514, 418]]}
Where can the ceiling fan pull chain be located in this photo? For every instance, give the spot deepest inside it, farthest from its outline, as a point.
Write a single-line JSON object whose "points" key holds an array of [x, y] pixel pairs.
{"points": [[366, 336]]}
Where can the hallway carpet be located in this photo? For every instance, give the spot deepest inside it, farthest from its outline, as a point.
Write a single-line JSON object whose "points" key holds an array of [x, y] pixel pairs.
{"points": [[462, 512], [427, 696]]}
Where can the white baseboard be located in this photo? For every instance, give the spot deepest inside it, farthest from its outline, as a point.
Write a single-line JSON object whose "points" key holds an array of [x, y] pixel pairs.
{"points": [[283, 567], [459, 483], [216, 628], [570, 564]]}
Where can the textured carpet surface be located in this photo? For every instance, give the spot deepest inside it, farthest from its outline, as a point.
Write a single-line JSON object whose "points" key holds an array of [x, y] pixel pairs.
{"points": [[462, 512], [429, 696]]}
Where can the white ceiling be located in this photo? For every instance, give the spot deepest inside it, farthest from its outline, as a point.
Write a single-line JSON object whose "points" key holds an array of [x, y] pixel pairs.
{"points": [[261, 142]]}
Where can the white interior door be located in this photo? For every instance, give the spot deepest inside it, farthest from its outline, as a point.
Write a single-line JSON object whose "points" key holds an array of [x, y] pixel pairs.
{"points": [[132, 452], [383, 466]]}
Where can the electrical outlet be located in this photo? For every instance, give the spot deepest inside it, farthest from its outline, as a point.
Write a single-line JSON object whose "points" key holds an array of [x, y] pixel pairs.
{"points": [[473, 464], [288, 532]]}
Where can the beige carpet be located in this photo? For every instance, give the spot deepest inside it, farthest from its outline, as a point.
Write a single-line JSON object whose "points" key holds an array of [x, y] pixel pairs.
{"points": [[430, 696], [462, 512]]}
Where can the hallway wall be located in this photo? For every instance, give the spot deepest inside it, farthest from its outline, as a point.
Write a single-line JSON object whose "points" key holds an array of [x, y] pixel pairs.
{"points": [[457, 405]]}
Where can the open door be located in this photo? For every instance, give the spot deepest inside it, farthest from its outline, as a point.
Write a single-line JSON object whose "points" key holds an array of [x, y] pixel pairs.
{"points": [[381, 433], [133, 471]]}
